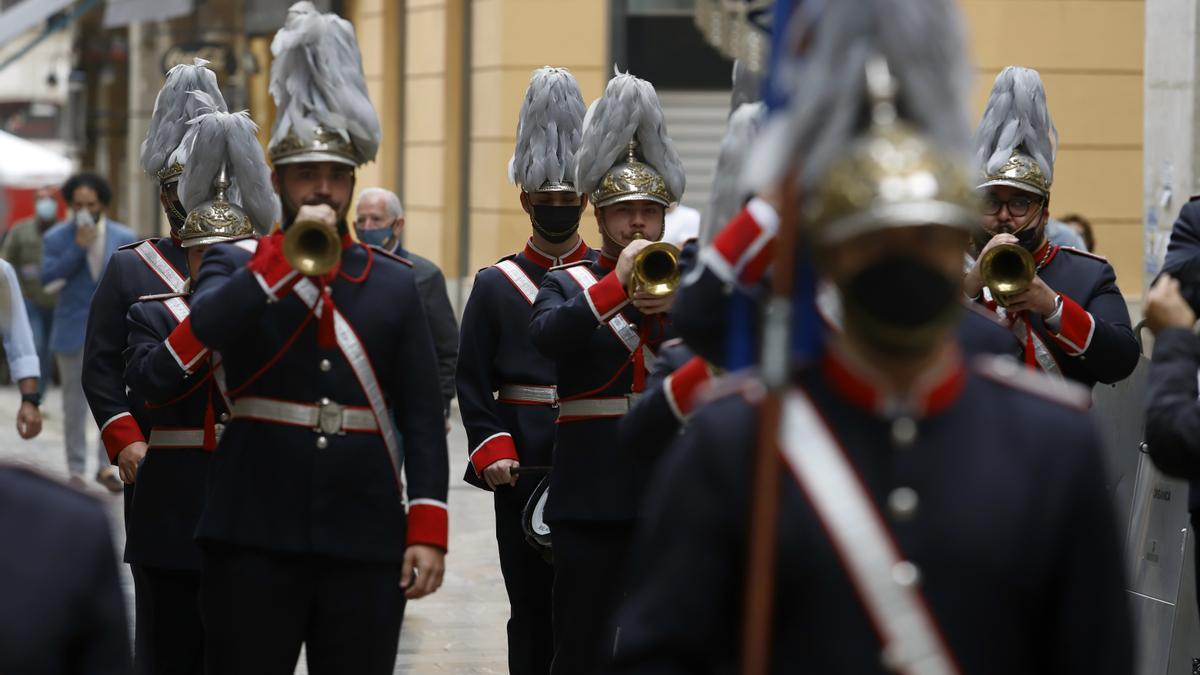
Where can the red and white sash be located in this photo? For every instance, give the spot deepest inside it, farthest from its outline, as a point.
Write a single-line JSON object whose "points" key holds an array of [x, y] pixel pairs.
{"points": [[519, 280], [620, 326], [155, 261], [885, 582]]}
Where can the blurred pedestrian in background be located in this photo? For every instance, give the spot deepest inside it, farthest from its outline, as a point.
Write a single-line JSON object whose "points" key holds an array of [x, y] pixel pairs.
{"points": [[75, 253], [1082, 227], [23, 249]]}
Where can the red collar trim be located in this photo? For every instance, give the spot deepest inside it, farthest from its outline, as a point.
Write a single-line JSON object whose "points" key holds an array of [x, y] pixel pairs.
{"points": [[1044, 254], [606, 262], [347, 241], [934, 392], [546, 261]]}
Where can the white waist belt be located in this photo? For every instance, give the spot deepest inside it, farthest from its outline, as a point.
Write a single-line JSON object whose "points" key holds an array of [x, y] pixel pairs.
{"points": [[529, 393], [181, 438], [615, 406], [324, 416]]}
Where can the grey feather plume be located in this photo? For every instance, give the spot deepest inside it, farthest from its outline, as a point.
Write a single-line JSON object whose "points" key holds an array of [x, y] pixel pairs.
{"points": [[230, 140], [174, 107], [548, 130], [1016, 116], [827, 81], [317, 78], [728, 195], [629, 108]]}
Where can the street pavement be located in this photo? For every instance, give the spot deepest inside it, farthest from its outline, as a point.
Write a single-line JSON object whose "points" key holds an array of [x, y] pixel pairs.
{"points": [[458, 630]]}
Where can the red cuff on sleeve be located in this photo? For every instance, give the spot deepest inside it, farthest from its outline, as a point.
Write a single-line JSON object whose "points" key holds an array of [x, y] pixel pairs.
{"points": [[183, 345], [118, 432], [746, 243], [681, 386], [606, 297], [428, 523], [1076, 327], [271, 268], [493, 449]]}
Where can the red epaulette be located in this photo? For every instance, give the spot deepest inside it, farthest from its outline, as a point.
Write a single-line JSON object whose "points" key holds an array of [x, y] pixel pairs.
{"points": [[398, 258], [745, 383], [1011, 373], [1088, 254], [570, 265]]}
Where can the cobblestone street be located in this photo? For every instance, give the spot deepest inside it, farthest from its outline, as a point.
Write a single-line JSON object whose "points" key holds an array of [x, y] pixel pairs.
{"points": [[460, 629]]}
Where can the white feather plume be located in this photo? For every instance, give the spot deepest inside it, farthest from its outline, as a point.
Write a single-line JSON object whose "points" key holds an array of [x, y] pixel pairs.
{"points": [[1016, 116], [317, 78], [923, 42], [629, 108], [230, 140], [548, 130], [728, 194], [174, 107]]}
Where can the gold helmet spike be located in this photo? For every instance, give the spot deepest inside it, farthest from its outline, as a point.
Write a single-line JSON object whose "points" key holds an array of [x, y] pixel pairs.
{"points": [[893, 176], [215, 220], [631, 180]]}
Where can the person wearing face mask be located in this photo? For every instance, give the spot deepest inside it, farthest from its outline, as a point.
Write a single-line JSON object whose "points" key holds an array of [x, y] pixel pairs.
{"points": [[379, 221], [907, 497], [23, 250], [602, 334], [505, 387], [75, 254], [1072, 321], [326, 371]]}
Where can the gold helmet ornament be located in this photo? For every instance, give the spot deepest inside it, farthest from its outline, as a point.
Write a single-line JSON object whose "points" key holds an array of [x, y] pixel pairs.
{"points": [[626, 153], [167, 145], [1016, 142], [893, 176], [323, 110], [226, 185]]}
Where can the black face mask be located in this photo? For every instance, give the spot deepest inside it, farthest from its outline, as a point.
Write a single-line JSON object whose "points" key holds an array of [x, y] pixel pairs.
{"points": [[555, 224], [899, 305]]}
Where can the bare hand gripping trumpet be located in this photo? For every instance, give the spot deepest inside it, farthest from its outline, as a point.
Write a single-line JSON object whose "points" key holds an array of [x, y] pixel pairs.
{"points": [[1007, 270], [655, 269], [311, 247]]}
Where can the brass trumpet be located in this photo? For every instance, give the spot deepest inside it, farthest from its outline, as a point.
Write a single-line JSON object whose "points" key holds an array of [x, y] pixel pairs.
{"points": [[655, 269], [311, 247], [1007, 270]]}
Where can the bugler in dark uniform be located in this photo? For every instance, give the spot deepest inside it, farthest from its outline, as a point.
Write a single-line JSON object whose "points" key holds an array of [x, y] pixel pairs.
{"points": [[879, 502], [183, 390], [305, 537], [1072, 321], [154, 265], [602, 338], [505, 387]]}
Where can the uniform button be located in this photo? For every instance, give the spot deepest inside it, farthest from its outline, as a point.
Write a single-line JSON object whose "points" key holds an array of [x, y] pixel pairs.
{"points": [[904, 432], [902, 503], [224, 418], [905, 574], [322, 442], [325, 365]]}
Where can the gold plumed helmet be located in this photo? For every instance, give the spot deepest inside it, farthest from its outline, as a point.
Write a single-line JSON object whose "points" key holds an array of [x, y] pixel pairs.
{"points": [[215, 220], [892, 176], [1020, 171], [1016, 141], [631, 180]]}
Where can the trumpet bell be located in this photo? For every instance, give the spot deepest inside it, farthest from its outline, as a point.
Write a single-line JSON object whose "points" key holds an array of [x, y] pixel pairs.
{"points": [[1007, 270], [311, 248], [656, 269]]}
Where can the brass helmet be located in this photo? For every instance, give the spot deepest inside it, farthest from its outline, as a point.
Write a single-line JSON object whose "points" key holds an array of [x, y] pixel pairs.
{"points": [[1016, 142], [216, 219], [323, 110], [892, 176], [630, 180]]}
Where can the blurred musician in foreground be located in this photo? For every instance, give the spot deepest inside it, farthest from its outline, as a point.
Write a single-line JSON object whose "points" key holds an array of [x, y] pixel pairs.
{"points": [[906, 503]]}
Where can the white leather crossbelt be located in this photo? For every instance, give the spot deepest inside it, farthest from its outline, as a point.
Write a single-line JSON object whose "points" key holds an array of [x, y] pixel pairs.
{"points": [[613, 406], [528, 393], [180, 438], [324, 416]]}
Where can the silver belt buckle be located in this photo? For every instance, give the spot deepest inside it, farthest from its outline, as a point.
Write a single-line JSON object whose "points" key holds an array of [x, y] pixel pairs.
{"points": [[218, 430], [329, 417]]}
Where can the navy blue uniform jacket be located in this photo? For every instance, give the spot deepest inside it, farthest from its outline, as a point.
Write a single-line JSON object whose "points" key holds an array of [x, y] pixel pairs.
{"points": [[270, 485]]}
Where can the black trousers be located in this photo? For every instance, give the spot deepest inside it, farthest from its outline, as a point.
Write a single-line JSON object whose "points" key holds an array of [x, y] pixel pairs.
{"points": [[174, 632], [143, 654], [589, 564], [260, 606], [529, 580]]}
